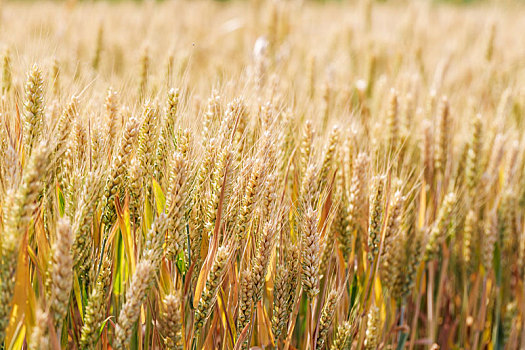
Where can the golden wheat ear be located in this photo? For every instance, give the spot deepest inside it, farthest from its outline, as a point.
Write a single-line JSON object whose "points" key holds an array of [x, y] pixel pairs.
{"points": [[24, 201]]}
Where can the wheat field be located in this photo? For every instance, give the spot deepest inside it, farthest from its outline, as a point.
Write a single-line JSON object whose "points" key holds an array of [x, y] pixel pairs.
{"points": [[262, 175]]}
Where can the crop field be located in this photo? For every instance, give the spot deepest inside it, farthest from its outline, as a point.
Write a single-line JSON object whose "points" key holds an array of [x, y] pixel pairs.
{"points": [[262, 175]]}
